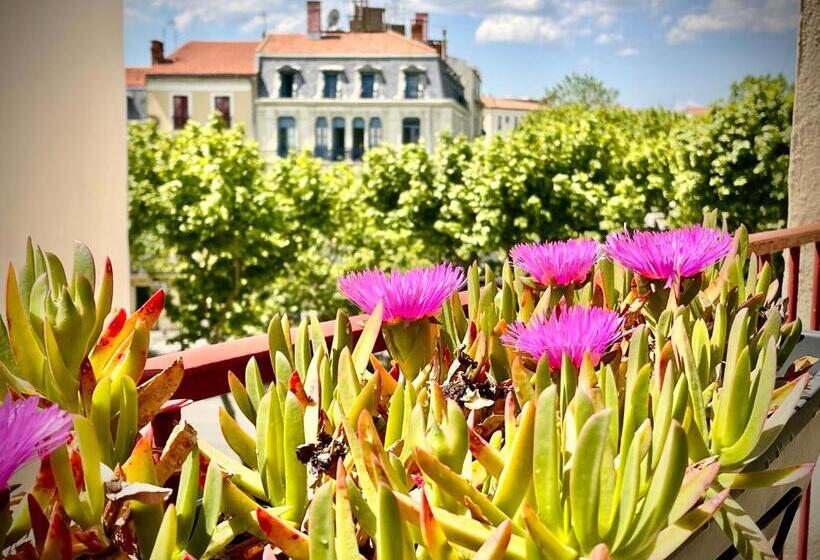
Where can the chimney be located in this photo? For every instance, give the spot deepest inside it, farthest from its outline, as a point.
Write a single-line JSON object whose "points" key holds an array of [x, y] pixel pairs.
{"points": [[158, 53], [314, 19], [419, 28]]}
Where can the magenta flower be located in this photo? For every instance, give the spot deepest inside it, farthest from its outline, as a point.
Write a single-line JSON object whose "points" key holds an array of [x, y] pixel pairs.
{"points": [[669, 255], [569, 330], [407, 296], [30, 433], [556, 262]]}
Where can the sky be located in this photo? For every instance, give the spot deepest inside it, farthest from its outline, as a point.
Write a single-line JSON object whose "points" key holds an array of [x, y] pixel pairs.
{"points": [[670, 53]]}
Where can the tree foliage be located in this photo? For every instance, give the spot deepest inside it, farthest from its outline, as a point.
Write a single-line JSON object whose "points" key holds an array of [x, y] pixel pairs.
{"points": [[241, 238], [581, 89]]}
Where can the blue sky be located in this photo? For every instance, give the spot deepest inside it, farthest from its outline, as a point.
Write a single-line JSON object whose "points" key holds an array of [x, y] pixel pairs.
{"points": [[655, 52]]}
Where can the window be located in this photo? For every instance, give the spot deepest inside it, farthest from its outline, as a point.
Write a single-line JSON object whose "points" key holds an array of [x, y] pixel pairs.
{"points": [[499, 122], [320, 150], [375, 136], [222, 105], [286, 136], [368, 85], [331, 85], [516, 121], [507, 119], [338, 148], [181, 115], [286, 82], [412, 85], [410, 130], [358, 139]]}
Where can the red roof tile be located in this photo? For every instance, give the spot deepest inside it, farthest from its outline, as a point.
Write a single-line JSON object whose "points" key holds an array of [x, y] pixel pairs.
{"points": [[135, 77], [210, 58], [510, 103], [341, 44]]}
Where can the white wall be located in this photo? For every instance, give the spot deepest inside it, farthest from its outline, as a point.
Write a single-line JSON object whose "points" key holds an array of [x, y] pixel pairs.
{"points": [[63, 141]]}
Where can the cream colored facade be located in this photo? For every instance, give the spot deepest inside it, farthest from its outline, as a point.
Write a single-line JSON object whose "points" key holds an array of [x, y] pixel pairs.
{"points": [[201, 92], [63, 147], [434, 116], [501, 121]]}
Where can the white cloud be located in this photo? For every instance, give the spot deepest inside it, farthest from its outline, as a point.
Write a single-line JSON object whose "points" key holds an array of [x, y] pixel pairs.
{"points": [[281, 16], [518, 29], [735, 15], [608, 38], [628, 51], [554, 20]]}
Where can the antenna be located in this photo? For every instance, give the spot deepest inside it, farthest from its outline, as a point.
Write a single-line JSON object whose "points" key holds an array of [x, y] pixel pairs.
{"points": [[333, 20], [264, 16]]}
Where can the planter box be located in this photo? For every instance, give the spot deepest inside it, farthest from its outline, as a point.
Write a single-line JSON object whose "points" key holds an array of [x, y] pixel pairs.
{"points": [[773, 508]]}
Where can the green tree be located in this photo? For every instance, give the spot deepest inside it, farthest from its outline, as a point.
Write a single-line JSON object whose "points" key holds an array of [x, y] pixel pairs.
{"points": [[199, 209], [736, 157], [581, 89]]}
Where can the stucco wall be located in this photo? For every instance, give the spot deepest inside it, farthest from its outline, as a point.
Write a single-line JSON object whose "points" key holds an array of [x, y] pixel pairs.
{"points": [[508, 120], [434, 117], [201, 91], [63, 145], [804, 166]]}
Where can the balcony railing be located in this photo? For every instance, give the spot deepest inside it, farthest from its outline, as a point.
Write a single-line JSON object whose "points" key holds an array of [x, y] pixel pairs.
{"points": [[206, 367]]}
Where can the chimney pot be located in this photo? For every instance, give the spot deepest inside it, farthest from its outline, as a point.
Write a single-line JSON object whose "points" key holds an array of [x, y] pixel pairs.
{"points": [[157, 52], [314, 19], [420, 21]]}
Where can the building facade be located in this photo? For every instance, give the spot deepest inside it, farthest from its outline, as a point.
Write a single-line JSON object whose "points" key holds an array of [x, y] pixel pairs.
{"points": [[199, 79], [340, 94], [500, 115], [335, 93]]}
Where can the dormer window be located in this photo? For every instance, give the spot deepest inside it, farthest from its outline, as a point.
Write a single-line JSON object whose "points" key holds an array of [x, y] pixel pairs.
{"points": [[286, 85], [331, 87], [413, 84], [368, 85], [289, 80]]}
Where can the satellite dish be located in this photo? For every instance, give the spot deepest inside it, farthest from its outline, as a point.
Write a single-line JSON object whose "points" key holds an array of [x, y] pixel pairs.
{"points": [[333, 19]]}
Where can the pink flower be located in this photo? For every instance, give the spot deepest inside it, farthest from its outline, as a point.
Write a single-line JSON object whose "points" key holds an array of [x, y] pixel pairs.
{"points": [[407, 296], [556, 262], [669, 255], [29, 433], [569, 330]]}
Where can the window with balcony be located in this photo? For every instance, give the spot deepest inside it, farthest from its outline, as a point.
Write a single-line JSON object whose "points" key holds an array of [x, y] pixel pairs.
{"points": [[338, 147], [358, 139], [410, 130], [286, 136], [374, 138], [331, 87], [368, 85], [222, 105], [320, 149], [181, 115]]}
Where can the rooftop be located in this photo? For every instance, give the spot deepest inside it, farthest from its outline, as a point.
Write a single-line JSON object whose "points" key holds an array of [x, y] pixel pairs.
{"points": [[210, 58], [512, 103], [345, 44], [135, 76]]}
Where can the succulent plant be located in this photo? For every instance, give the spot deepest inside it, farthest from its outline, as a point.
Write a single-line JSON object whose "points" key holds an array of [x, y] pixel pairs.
{"points": [[607, 414]]}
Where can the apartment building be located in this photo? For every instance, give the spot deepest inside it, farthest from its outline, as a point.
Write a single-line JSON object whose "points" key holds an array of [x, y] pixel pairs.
{"points": [[334, 92]]}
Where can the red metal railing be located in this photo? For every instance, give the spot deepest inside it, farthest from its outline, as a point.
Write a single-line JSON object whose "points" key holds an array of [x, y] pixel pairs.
{"points": [[206, 367]]}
